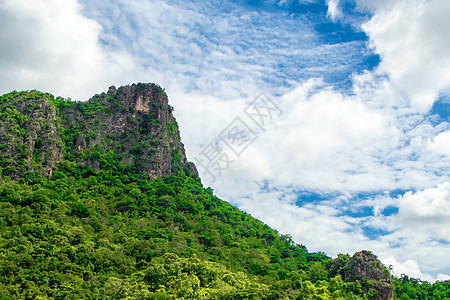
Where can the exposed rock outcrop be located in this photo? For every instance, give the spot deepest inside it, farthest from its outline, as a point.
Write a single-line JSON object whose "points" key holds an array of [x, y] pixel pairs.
{"points": [[365, 268], [30, 134], [132, 124]]}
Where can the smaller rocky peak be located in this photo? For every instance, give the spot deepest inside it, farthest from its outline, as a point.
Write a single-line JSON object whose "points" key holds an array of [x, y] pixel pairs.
{"points": [[365, 265], [30, 137], [365, 268]]}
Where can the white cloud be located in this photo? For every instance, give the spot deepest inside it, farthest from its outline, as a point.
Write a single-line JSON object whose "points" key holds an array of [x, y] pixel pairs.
{"points": [[335, 143], [426, 211], [334, 11], [412, 40], [49, 45], [311, 225], [441, 144], [418, 232], [409, 267]]}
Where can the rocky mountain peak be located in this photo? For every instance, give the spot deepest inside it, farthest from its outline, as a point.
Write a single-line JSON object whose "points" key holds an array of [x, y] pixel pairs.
{"points": [[132, 125], [365, 268]]}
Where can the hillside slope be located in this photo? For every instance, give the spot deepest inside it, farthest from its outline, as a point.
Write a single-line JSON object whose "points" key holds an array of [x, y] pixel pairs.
{"points": [[98, 201]]}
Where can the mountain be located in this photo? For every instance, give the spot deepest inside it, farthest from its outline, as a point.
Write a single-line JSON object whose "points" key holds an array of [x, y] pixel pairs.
{"points": [[98, 201], [133, 125]]}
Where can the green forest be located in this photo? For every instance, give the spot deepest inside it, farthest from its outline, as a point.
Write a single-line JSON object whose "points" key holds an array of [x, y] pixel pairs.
{"points": [[110, 231]]}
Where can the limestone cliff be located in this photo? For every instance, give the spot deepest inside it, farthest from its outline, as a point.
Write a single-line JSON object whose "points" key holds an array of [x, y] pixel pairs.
{"points": [[365, 268], [30, 134], [132, 125]]}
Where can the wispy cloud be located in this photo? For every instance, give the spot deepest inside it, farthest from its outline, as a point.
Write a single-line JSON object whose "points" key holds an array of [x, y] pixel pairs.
{"points": [[226, 54]]}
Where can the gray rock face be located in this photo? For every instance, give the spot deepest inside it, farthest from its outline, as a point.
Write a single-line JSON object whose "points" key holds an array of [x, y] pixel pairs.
{"points": [[365, 268], [132, 124], [30, 138]]}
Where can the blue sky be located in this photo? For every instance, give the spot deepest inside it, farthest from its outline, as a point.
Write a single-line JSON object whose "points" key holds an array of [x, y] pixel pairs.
{"points": [[355, 154]]}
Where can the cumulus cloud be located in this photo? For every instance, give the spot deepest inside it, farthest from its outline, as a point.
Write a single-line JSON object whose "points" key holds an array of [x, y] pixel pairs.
{"points": [[426, 211], [412, 37], [441, 144], [48, 45], [409, 267], [421, 227], [328, 142]]}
